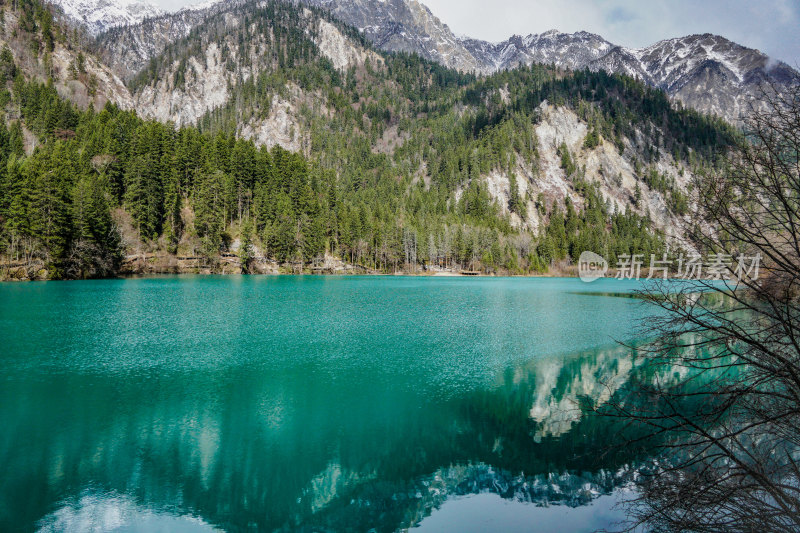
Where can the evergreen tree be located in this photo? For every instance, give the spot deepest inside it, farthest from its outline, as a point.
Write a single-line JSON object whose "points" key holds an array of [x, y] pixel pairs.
{"points": [[209, 211], [50, 173], [282, 234], [144, 195]]}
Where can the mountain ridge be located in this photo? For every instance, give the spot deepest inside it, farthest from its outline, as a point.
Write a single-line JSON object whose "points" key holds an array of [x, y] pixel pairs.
{"points": [[98, 16], [727, 86], [706, 72]]}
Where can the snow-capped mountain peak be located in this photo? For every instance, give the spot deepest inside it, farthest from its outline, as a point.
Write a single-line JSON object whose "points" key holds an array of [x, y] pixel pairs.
{"points": [[100, 15], [200, 6]]}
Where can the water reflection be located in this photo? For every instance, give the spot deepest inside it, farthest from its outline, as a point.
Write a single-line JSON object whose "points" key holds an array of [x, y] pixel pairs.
{"points": [[239, 449], [115, 512], [479, 513], [559, 384]]}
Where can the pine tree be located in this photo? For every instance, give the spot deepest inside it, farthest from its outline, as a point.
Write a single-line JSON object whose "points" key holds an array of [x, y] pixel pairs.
{"points": [[173, 199], [567, 162], [282, 237], [95, 249], [592, 139], [8, 69], [209, 211], [51, 172], [515, 201], [16, 140], [18, 189], [144, 196]]}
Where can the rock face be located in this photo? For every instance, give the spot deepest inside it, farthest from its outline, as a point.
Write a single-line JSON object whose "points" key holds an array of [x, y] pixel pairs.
{"points": [[129, 48], [208, 77], [403, 26], [206, 87], [90, 84], [613, 171], [571, 51], [706, 72]]}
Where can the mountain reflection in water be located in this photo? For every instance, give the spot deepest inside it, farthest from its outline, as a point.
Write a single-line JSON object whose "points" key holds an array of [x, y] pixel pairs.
{"points": [[526, 439], [192, 404]]}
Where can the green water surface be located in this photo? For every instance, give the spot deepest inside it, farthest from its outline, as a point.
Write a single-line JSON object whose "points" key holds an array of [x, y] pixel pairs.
{"points": [[310, 403]]}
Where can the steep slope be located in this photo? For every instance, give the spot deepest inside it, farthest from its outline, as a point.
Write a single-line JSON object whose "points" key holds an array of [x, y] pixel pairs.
{"points": [[404, 26], [82, 186], [234, 49], [98, 16], [706, 72], [128, 48], [711, 73], [394, 25], [43, 50]]}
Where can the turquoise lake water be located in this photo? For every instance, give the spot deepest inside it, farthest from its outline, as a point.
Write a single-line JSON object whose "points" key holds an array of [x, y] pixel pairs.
{"points": [[311, 403]]}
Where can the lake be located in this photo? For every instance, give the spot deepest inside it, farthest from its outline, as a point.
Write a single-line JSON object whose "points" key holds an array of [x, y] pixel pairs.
{"points": [[312, 404]]}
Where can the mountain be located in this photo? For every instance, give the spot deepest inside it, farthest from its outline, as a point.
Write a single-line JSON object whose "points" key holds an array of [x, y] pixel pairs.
{"points": [[570, 51], [395, 162], [392, 25], [128, 48], [710, 73], [706, 72], [312, 84], [98, 16], [404, 26]]}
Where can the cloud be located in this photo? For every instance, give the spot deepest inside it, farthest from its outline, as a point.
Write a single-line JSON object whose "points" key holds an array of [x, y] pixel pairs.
{"points": [[620, 15]]}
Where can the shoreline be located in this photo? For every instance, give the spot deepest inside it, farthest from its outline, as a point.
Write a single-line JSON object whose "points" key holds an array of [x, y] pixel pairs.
{"points": [[146, 275], [19, 274], [440, 275], [163, 264], [154, 266]]}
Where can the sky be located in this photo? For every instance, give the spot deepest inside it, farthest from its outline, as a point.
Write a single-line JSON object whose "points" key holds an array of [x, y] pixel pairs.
{"points": [[768, 25]]}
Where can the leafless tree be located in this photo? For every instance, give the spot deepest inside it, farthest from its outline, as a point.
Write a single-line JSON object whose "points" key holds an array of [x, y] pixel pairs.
{"points": [[724, 394]]}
